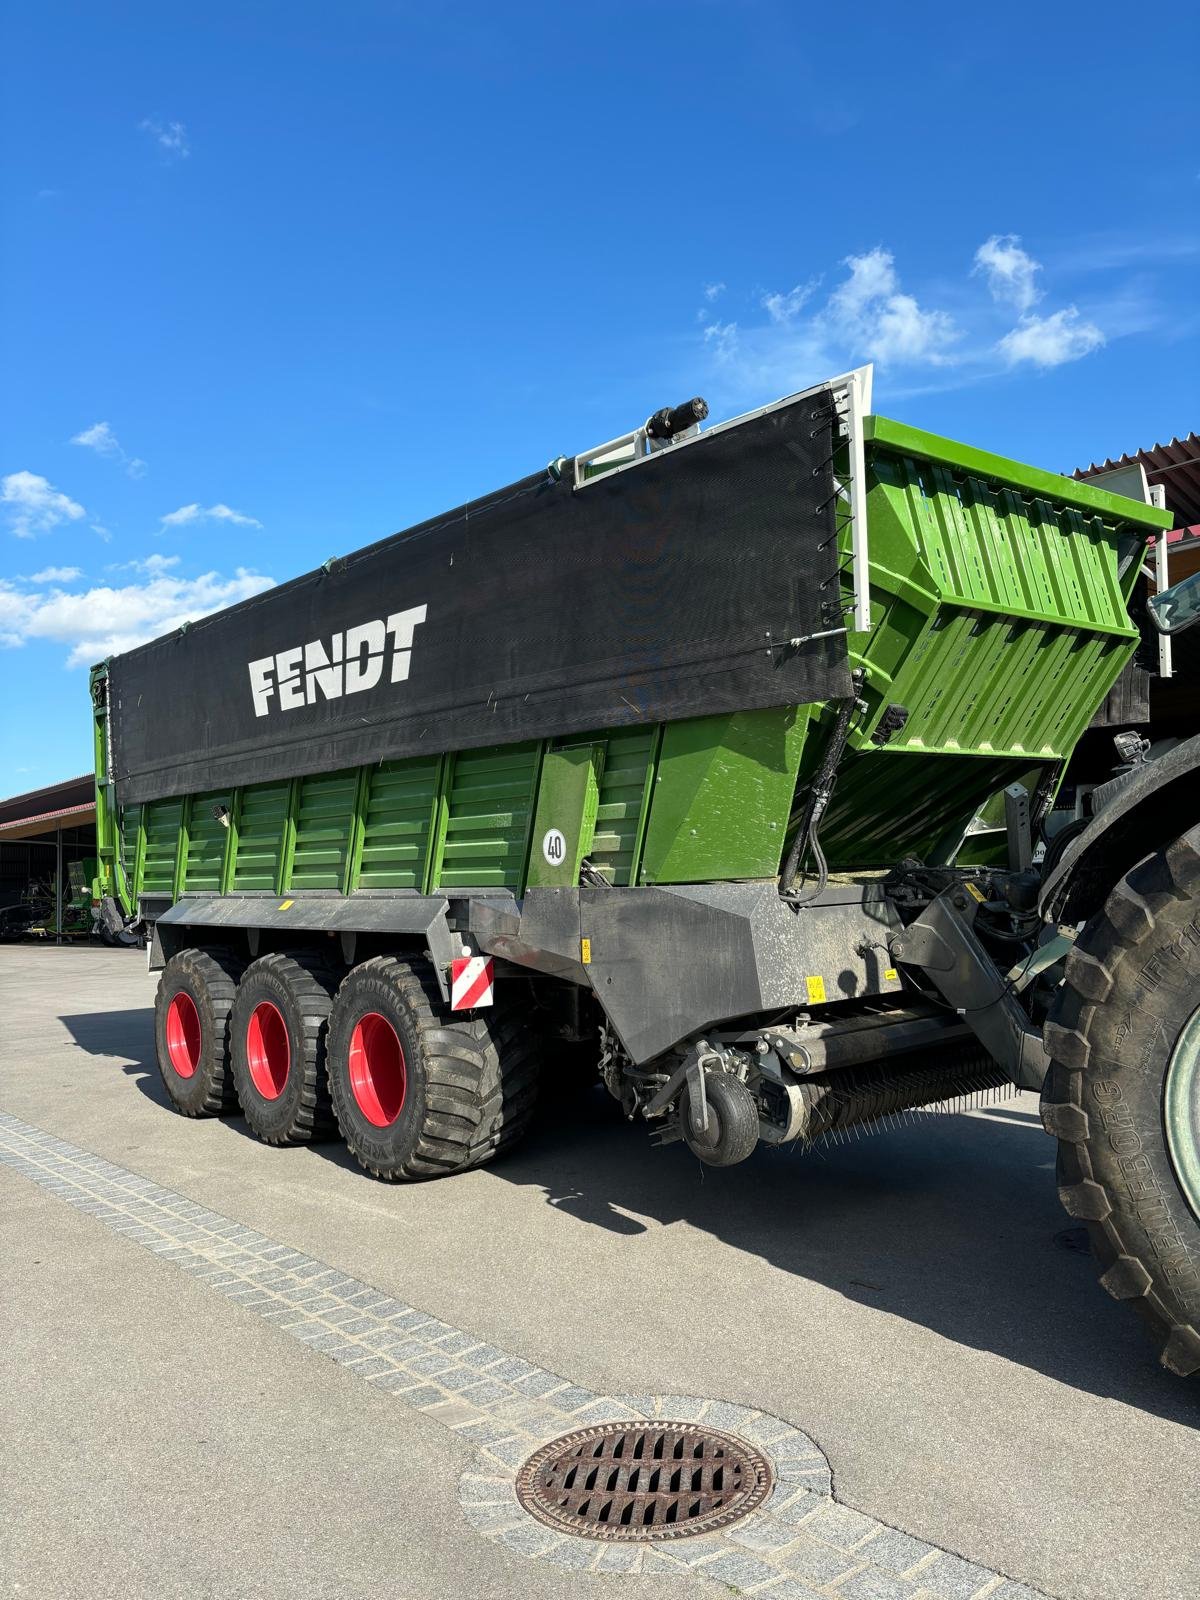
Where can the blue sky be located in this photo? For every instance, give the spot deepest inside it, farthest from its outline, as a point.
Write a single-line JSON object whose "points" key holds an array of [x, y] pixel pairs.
{"points": [[279, 279]]}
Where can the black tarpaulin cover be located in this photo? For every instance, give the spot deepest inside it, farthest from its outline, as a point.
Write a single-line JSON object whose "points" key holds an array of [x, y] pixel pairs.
{"points": [[664, 591]]}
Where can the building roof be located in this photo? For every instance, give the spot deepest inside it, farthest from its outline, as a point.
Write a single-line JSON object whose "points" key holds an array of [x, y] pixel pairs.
{"points": [[1175, 465], [68, 804]]}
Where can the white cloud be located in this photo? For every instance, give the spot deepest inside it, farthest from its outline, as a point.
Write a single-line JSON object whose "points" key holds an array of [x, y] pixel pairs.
{"points": [[170, 137], [100, 438], [1051, 341], [153, 566], [868, 316], [872, 276], [56, 575], [723, 336], [786, 307], [35, 505], [1011, 272], [198, 513], [105, 620], [712, 290]]}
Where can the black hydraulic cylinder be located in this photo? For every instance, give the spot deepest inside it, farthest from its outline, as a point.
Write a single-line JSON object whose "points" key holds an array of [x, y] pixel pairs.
{"points": [[665, 424]]}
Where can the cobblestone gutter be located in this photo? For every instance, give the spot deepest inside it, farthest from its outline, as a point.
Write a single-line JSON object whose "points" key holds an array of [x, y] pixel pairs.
{"points": [[799, 1545]]}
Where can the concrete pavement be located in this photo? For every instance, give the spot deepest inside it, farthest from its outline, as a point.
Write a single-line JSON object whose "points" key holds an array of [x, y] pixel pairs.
{"points": [[910, 1301]]}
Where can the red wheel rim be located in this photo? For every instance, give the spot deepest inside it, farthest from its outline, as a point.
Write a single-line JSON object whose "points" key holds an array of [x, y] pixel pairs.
{"points": [[268, 1051], [183, 1034], [378, 1079]]}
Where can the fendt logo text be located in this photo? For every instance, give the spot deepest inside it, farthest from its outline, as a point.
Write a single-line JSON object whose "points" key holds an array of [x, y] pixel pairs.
{"points": [[351, 662]]}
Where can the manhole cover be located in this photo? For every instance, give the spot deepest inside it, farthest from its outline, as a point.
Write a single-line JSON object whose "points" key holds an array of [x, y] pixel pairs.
{"points": [[643, 1482]]}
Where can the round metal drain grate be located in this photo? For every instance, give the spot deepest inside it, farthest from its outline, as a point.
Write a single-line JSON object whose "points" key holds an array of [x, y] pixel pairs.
{"points": [[642, 1482]]}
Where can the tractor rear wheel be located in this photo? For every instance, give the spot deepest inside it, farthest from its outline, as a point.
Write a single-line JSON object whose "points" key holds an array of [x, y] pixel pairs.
{"points": [[192, 1010], [418, 1091], [1123, 1093], [278, 1032]]}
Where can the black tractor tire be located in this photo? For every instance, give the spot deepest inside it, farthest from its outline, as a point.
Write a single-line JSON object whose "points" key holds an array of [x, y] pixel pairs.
{"points": [[732, 1131], [1132, 983], [280, 1016], [192, 1011], [419, 1092]]}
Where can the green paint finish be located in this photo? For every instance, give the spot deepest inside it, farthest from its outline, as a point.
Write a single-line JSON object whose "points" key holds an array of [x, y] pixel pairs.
{"points": [[998, 620], [903, 440], [630, 756], [132, 846], [353, 866], [262, 811], [564, 825], [977, 683], [206, 842], [927, 802], [398, 823], [722, 796], [163, 822], [489, 804], [324, 821], [229, 865], [182, 844]]}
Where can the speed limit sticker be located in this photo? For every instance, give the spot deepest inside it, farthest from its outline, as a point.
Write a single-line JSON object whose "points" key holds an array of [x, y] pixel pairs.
{"points": [[554, 848]]}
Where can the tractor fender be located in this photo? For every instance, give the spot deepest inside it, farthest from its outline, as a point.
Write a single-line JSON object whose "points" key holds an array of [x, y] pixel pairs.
{"points": [[1149, 806]]}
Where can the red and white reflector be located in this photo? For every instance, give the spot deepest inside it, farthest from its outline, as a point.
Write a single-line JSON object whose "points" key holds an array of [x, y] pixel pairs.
{"points": [[471, 983]]}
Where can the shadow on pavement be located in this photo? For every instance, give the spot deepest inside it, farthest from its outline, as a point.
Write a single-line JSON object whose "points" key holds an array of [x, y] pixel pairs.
{"points": [[951, 1222]]}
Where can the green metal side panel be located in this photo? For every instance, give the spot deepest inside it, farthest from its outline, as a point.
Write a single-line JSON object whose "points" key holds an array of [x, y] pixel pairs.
{"points": [[903, 803], [975, 682], [723, 796], [489, 804], [398, 824], [229, 864], [630, 755], [206, 842], [131, 847], [324, 819], [914, 442], [998, 622], [260, 835], [163, 822], [564, 824]]}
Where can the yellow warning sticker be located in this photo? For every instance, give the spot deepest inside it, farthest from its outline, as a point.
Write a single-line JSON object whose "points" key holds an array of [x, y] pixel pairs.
{"points": [[974, 889], [286, 905], [890, 974], [585, 952], [816, 991]]}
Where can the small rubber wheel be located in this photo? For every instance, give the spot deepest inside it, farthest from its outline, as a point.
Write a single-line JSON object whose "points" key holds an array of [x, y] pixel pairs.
{"points": [[419, 1092], [732, 1131], [192, 1010], [278, 1030]]}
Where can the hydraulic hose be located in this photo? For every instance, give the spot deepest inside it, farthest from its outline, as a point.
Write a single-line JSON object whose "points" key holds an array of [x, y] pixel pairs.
{"points": [[819, 795]]}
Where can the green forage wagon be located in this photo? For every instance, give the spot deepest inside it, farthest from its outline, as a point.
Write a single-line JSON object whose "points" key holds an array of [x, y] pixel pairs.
{"points": [[730, 755]]}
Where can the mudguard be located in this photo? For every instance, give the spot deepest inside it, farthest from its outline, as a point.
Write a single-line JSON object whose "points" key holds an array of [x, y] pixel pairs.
{"points": [[1153, 804]]}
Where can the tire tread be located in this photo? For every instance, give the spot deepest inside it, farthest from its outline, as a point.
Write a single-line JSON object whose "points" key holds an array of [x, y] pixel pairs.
{"points": [[1117, 933]]}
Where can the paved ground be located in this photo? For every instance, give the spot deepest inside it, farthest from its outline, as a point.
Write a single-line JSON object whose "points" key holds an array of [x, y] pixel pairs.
{"points": [[906, 1301]]}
